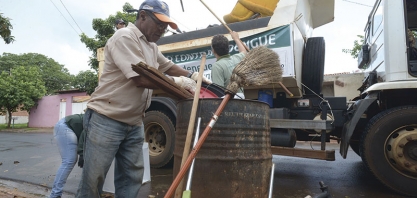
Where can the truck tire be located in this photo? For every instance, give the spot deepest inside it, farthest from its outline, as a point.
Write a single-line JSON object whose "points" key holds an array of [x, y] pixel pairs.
{"points": [[160, 135], [313, 65], [389, 148]]}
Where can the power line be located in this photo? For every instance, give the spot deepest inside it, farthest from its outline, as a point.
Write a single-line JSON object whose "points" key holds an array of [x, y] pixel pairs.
{"points": [[358, 3], [71, 16], [65, 18], [181, 23]]}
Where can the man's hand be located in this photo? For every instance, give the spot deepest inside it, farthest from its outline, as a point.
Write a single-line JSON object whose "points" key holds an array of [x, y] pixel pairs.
{"points": [[235, 35], [80, 161], [186, 83], [195, 75]]}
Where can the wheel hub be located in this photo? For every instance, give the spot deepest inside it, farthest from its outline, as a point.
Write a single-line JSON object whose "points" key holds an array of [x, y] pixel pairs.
{"points": [[401, 149], [413, 152], [155, 137]]}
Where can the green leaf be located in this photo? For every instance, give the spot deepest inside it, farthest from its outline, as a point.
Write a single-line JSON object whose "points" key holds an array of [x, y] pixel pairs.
{"points": [[105, 28], [20, 89]]}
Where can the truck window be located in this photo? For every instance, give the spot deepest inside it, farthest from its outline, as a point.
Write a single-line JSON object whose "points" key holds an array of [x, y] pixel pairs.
{"points": [[367, 34], [377, 19]]}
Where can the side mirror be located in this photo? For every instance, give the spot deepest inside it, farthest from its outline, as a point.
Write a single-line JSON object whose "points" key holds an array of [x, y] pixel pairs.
{"points": [[363, 57]]}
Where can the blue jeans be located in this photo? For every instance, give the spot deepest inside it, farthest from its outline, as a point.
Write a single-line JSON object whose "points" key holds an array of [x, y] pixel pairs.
{"points": [[108, 139], [67, 144]]}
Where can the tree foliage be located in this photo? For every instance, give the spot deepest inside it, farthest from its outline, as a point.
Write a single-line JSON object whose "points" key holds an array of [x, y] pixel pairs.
{"points": [[5, 29], [85, 81], [55, 76], [105, 28], [20, 88], [357, 46]]}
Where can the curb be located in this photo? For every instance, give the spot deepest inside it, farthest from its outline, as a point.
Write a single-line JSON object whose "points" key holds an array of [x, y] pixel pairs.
{"points": [[29, 130], [25, 189]]}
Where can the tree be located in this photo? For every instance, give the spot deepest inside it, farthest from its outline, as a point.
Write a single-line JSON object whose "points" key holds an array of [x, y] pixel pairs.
{"points": [[5, 29], [357, 46], [20, 88], [105, 29], [85, 81], [55, 75]]}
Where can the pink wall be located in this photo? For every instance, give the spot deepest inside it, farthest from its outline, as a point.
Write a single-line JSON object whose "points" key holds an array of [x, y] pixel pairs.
{"points": [[46, 114]]}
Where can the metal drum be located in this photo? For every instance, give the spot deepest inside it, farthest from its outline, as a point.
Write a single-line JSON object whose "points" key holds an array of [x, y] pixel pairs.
{"points": [[235, 159]]}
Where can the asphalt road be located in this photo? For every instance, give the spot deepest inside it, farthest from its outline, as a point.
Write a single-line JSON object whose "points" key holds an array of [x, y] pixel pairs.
{"points": [[30, 160]]}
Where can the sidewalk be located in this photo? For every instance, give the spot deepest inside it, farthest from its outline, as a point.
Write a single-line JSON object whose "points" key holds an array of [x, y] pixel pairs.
{"points": [[15, 189]]}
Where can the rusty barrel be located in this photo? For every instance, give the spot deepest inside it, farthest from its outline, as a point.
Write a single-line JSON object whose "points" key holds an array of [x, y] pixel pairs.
{"points": [[235, 159]]}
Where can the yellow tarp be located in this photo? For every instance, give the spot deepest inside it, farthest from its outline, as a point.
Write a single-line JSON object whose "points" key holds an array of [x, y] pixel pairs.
{"points": [[244, 9]]}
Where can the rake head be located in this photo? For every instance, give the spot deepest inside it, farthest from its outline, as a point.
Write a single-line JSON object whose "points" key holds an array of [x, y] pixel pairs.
{"points": [[260, 66]]}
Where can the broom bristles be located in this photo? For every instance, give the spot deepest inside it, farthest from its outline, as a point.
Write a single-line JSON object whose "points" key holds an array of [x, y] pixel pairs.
{"points": [[260, 66]]}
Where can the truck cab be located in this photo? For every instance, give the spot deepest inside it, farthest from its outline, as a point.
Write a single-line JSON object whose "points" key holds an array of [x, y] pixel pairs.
{"points": [[381, 124]]}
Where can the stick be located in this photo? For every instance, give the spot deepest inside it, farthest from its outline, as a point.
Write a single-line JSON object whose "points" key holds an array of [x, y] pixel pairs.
{"points": [[227, 27], [271, 180], [187, 192], [286, 90], [190, 130], [197, 147]]}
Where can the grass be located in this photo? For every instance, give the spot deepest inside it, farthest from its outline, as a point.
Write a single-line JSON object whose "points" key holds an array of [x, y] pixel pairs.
{"points": [[16, 126]]}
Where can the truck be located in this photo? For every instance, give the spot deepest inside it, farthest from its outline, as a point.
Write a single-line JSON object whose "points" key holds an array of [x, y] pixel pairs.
{"points": [[380, 124]]}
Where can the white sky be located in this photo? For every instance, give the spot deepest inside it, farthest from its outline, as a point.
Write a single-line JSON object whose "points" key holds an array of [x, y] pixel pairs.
{"points": [[39, 27]]}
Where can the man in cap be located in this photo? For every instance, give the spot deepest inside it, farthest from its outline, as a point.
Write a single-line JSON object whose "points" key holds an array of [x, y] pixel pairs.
{"points": [[119, 23], [113, 120]]}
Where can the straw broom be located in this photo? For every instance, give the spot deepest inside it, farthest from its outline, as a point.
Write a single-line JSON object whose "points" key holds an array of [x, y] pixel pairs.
{"points": [[246, 47], [259, 67]]}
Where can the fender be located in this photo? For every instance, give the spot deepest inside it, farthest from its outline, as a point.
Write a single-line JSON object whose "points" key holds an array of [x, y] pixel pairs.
{"points": [[359, 108], [163, 103]]}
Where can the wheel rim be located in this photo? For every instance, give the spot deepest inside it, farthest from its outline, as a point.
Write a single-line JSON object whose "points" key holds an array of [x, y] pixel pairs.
{"points": [[401, 150], [155, 136]]}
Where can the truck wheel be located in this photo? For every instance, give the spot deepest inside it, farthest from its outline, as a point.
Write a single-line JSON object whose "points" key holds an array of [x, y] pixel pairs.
{"points": [[389, 148], [313, 65], [160, 135]]}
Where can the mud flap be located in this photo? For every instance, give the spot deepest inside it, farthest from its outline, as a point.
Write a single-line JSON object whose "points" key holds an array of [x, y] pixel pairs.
{"points": [[360, 107]]}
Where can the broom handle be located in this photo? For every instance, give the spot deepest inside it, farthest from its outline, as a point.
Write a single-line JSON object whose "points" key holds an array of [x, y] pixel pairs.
{"points": [[197, 147], [285, 89], [190, 172], [190, 130], [227, 27]]}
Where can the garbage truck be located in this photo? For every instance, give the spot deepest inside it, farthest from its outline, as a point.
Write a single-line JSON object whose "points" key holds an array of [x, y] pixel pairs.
{"points": [[380, 124]]}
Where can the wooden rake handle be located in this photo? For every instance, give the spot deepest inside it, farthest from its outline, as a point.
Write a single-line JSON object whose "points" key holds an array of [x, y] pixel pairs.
{"points": [[225, 25], [190, 129], [197, 147]]}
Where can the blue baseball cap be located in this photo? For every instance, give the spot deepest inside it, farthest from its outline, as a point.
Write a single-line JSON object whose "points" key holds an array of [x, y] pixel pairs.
{"points": [[160, 9]]}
